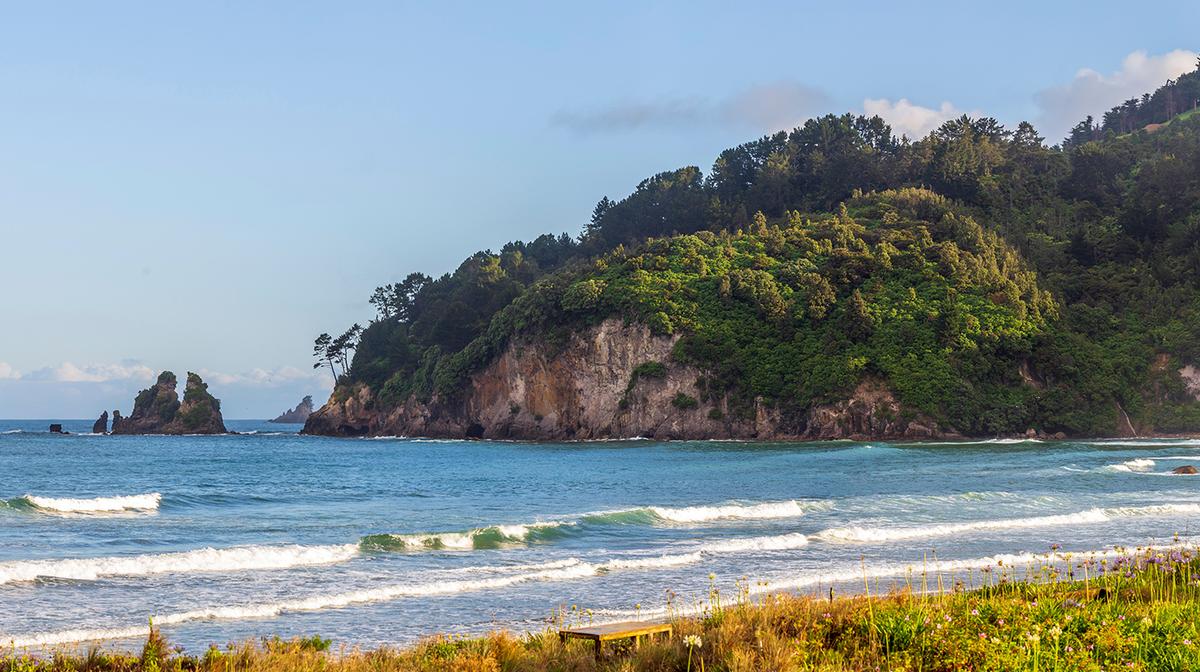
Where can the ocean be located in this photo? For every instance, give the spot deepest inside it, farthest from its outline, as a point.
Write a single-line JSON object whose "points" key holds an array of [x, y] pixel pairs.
{"points": [[382, 541]]}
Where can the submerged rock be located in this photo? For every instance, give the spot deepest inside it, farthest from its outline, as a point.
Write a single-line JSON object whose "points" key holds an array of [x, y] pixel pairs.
{"points": [[101, 424], [298, 414], [1186, 469], [157, 409], [57, 429]]}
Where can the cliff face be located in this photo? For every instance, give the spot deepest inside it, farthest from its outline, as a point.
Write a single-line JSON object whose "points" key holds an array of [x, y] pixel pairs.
{"points": [[157, 409], [615, 380]]}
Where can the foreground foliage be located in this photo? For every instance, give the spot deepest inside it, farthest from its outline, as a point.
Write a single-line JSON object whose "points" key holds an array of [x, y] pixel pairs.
{"points": [[1130, 612]]}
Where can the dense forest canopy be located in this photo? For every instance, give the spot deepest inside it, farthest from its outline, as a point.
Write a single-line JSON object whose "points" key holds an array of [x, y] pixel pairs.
{"points": [[994, 281]]}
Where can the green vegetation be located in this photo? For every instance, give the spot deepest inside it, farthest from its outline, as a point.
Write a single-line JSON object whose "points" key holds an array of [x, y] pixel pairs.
{"points": [[1131, 611], [200, 404], [992, 282]]}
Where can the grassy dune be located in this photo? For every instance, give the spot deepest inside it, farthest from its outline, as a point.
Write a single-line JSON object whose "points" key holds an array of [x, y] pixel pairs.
{"points": [[1134, 610]]}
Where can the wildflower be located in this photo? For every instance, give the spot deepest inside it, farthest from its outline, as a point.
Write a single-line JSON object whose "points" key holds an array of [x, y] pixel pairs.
{"points": [[1187, 642], [995, 640], [1146, 622], [999, 621], [1055, 632], [1070, 650], [1033, 637], [974, 612], [693, 641]]}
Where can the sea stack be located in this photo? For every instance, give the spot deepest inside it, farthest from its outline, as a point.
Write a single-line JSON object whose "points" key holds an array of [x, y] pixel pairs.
{"points": [[157, 409], [298, 414], [101, 424]]}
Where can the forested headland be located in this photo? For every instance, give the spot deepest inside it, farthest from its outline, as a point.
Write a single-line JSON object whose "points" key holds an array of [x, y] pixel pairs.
{"points": [[986, 280]]}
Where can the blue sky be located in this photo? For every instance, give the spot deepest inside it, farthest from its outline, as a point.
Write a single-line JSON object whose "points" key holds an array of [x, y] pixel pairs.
{"points": [[207, 187]]}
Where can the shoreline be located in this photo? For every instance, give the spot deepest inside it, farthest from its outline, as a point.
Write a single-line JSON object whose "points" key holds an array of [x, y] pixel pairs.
{"points": [[1095, 610]]}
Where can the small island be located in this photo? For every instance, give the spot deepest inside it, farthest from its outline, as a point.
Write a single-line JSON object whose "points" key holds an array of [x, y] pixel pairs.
{"points": [[157, 409], [297, 415]]}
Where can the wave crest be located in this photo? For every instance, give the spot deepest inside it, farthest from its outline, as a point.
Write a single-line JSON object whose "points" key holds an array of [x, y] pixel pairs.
{"points": [[145, 502], [237, 558], [492, 536]]}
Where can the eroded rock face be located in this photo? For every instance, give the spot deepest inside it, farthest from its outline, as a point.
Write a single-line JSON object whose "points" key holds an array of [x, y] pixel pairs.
{"points": [[101, 424], [589, 390], [157, 409], [298, 414], [1191, 380]]}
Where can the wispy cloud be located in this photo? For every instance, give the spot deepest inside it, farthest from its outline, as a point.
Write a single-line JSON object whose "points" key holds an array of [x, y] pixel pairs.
{"points": [[69, 372], [285, 375], [767, 107], [1092, 92], [907, 118]]}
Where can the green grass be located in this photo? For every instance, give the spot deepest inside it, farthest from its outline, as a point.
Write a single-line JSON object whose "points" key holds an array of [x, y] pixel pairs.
{"points": [[1134, 611]]}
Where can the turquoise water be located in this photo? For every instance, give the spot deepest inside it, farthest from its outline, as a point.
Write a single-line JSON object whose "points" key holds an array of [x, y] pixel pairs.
{"points": [[370, 541]]}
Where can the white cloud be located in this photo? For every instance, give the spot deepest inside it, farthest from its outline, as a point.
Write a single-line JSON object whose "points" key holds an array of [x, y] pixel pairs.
{"points": [[284, 375], [1094, 93], [908, 119], [7, 372], [68, 372]]}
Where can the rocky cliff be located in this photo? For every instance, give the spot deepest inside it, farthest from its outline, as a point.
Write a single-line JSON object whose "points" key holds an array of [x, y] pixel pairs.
{"points": [[614, 380], [101, 424], [157, 409], [298, 414]]}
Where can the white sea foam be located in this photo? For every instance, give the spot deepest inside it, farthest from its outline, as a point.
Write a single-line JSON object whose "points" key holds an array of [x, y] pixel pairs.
{"points": [[145, 502], [238, 558], [1014, 562], [1130, 466], [560, 570], [652, 562], [499, 569], [782, 542], [700, 514], [1148, 443], [1090, 516], [314, 603], [491, 536]]}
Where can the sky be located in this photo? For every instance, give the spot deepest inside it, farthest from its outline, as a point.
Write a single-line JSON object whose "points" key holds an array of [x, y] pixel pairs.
{"points": [[208, 186]]}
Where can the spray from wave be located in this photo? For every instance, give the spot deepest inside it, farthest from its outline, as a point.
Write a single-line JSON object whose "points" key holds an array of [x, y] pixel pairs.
{"points": [[145, 502]]}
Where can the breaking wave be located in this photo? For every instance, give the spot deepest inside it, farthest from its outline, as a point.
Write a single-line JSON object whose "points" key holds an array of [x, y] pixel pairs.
{"points": [[650, 515], [1129, 466], [500, 536], [1091, 516], [238, 558], [492, 536], [145, 502]]}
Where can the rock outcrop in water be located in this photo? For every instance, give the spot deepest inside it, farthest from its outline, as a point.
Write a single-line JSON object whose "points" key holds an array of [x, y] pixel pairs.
{"points": [[298, 414], [157, 409], [615, 380], [101, 424]]}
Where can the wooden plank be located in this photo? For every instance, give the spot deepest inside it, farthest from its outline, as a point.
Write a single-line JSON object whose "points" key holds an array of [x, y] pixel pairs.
{"points": [[624, 630]]}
